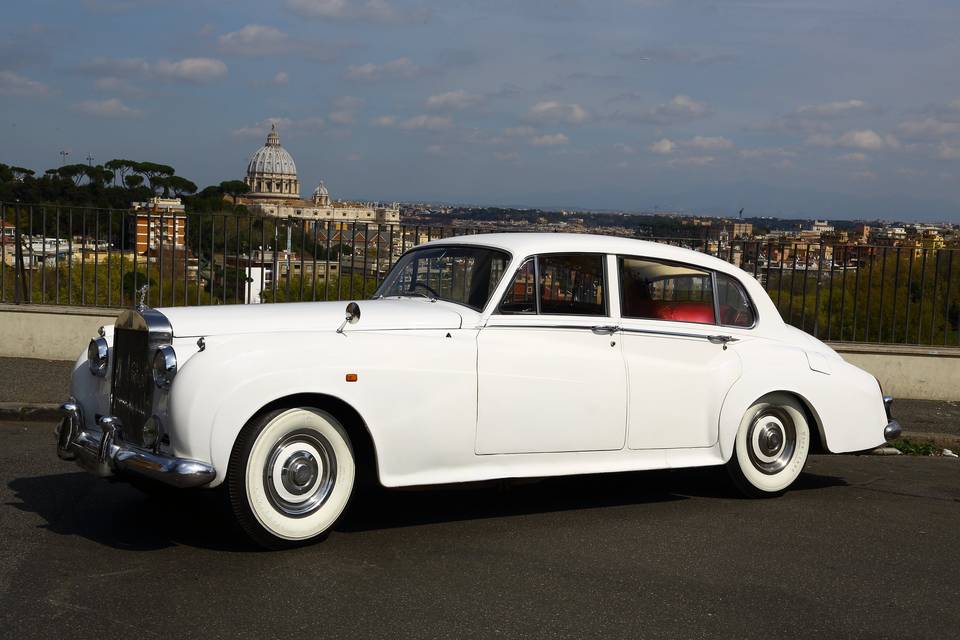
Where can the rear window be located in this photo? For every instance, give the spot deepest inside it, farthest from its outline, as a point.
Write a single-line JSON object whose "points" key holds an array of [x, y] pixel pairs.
{"points": [[735, 307], [655, 290]]}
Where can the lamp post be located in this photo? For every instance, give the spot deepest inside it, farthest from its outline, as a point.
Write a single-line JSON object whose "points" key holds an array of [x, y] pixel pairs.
{"points": [[63, 157]]}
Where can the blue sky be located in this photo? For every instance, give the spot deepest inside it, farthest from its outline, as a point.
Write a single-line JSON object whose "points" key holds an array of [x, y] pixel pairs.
{"points": [[844, 108]]}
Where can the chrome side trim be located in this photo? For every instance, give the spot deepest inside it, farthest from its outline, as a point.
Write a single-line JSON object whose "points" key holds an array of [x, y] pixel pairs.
{"points": [[583, 327], [104, 453], [715, 339]]}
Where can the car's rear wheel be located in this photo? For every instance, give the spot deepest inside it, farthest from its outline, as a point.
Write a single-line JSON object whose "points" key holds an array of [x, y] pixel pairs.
{"points": [[771, 446], [291, 476]]}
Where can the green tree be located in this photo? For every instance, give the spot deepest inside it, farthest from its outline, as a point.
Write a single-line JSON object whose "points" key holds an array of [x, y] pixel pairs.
{"points": [[180, 185], [234, 189], [133, 181]]}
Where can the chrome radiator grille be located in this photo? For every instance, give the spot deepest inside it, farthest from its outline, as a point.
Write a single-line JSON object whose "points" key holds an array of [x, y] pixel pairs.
{"points": [[132, 383]]}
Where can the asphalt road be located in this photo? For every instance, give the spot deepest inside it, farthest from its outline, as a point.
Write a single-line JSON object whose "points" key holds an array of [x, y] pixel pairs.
{"points": [[863, 547]]}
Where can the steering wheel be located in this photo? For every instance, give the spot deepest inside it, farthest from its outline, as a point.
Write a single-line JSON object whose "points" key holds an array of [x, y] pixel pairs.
{"points": [[425, 286]]}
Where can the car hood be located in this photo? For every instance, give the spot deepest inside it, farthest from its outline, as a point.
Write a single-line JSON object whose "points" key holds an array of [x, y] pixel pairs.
{"points": [[393, 313]]}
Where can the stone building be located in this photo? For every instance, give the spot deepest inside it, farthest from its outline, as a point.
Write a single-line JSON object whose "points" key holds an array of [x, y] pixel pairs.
{"points": [[271, 171], [275, 191]]}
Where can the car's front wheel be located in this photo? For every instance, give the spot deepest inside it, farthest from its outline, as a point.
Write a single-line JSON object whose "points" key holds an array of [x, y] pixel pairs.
{"points": [[291, 476], [771, 446]]}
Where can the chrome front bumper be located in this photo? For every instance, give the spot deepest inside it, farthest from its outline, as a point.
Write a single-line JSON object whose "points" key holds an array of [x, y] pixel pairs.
{"points": [[104, 453], [892, 431]]}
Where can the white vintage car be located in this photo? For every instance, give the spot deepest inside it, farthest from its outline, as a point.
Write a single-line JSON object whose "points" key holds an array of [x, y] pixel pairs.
{"points": [[480, 357]]}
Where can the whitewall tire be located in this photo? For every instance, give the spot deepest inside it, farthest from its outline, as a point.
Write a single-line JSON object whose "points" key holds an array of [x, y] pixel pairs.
{"points": [[291, 476], [771, 446]]}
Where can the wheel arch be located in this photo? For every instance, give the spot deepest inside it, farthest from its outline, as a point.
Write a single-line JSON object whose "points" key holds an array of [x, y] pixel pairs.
{"points": [[368, 468], [735, 408]]}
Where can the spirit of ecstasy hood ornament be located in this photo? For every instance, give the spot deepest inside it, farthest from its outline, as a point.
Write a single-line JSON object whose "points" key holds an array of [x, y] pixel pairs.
{"points": [[142, 297]]}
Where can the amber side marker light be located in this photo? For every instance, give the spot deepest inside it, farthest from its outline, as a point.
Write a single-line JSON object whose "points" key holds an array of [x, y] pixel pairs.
{"points": [[351, 377]]}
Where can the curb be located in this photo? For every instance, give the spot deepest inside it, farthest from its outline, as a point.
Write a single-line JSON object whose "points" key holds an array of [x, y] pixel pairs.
{"points": [[29, 412]]}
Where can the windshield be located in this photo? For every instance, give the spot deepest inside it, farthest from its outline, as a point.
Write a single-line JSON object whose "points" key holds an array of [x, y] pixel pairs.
{"points": [[465, 275]]}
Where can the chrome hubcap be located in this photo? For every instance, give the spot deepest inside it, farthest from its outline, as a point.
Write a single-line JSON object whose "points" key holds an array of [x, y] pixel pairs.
{"points": [[300, 473], [771, 440]]}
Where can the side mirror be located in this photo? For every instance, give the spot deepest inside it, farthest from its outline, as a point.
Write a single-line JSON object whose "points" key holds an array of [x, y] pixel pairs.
{"points": [[352, 317]]}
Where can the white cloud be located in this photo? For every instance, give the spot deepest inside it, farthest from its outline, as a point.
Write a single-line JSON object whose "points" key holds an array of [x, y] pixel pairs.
{"points": [[342, 117], [928, 128], [12, 84], [550, 140], [755, 154], [681, 109], [856, 156], [625, 149], [519, 132], [111, 108], [663, 146], [692, 161], [707, 143], [864, 139], [348, 10], [345, 110], [254, 40], [830, 109], [506, 156], [427, 122], [191, 69], [399, 68], [948, 151], [817, 118], [453, 100], [554, 112], [421, 122], [436, 150], [185, 70], [280, 78], [864, 175]]}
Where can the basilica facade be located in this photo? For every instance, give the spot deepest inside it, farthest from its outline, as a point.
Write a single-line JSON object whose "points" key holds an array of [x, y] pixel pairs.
{"points": [[275, 191]]}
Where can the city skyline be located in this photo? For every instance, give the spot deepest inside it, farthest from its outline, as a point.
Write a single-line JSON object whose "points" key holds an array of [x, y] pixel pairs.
{"points": [[790, 109]]}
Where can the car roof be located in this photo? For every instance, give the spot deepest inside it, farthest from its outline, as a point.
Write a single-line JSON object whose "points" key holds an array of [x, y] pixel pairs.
{"points": [[524, 244]]}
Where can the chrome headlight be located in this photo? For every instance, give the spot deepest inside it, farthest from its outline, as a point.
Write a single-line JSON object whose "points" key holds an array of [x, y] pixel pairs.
{"points": [[164, 366], [97, 356]]}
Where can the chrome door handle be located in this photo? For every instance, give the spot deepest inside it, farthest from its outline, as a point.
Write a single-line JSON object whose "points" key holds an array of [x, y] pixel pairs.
{"points": [[605, 329], [721, 339]]}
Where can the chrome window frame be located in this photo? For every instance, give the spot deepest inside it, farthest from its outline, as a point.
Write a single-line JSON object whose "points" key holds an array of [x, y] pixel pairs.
{"points": [[706, 270], [536, 277], [460, 245], [746, 295]]}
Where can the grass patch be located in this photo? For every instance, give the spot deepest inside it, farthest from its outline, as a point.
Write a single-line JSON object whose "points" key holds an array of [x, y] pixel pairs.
{"points": [[914, 448]]}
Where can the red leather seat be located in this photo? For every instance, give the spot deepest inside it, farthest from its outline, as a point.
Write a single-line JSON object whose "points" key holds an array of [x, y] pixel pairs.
{"points": [[686, 312]]}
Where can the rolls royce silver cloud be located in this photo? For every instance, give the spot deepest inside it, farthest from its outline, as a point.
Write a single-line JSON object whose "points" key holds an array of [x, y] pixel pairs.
{"points": [[480, 357]]}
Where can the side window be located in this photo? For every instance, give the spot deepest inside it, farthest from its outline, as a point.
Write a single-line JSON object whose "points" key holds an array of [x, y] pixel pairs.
{"points": [[572, 284], [735, 307], [569, 284], [521, 295], [665, 291]]}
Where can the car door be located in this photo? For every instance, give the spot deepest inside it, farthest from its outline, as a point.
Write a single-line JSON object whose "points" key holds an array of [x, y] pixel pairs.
{"points": [[679, 361], [551, 376]]}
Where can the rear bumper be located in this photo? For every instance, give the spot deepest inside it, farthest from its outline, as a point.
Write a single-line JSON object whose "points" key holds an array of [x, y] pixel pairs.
{"points": [[103, 452], [892, 431]]}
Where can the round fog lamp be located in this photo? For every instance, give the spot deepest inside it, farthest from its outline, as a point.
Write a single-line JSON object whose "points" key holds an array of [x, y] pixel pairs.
{"points": [[97, 352], [164, 366]]}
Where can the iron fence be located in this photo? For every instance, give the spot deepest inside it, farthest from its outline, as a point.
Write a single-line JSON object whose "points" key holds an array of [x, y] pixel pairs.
{"points": [[59, 255]]}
